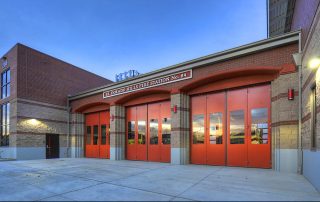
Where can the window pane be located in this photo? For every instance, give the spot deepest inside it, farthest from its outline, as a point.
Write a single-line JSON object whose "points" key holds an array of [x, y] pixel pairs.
{"points": [[131, 132], [3, 114], [166, 130], [237, 127], [8, 130], [8, 113], [259, 126], [103, 134], [198, 129], [4, 91], [95, 135], [3, 78], [141, 132], [8, 90], [3, 136], [8, 76], [216, 128], [88, 141], [154, 129]]}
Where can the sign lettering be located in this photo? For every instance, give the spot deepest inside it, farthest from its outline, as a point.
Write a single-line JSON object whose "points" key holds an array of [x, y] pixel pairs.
{"points": [[149, 84]]}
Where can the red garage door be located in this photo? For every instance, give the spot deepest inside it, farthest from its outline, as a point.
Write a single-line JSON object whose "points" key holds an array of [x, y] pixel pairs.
{"points": [[97, 138], [148, 132], [232, 128]]}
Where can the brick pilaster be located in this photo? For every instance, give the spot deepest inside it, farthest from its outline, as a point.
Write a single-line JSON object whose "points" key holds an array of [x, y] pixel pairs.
{"points": [[77, 135], [117, 132], [180, 134]]}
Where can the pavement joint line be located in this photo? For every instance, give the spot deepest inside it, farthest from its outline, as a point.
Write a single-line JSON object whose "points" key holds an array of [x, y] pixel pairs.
{"points": [[38, 170], [114, 185], [116, 165], [70, 192], [103, 182], [86, 178], [195, 184], [141, 189]]}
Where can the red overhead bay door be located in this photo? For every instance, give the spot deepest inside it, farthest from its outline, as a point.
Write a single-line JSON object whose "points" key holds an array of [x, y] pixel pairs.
{"points": [[97, 136], [232, 128], [148, 132]]}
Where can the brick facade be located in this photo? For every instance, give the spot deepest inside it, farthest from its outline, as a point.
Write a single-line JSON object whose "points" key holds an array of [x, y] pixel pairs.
{"points": [[40, 85], [117, 132], [180, 129]]}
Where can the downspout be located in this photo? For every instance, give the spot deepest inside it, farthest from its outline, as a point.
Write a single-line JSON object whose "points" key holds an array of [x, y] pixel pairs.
{"points": [[298, 62], [300, 152]]}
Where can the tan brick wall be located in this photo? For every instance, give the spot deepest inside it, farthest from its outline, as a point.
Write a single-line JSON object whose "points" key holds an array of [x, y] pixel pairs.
{"points": [[309, 77], [117, 132], [30, 121], [180, 134], [284, 119], [77, 134]]}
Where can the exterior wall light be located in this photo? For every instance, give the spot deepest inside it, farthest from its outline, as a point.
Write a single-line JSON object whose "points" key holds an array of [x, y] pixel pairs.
{"points": [[314, 63], [33, 122]]}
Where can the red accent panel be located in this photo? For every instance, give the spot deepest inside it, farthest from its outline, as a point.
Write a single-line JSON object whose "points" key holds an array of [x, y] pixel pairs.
{"points": [[142, 97], [148, 152], [254, 71], [97, 150], [237, 153], [154, 149], [288, 68], [198, 151], [216, 103], [131, 150], [165, 150], [259, 155], [142, 148], [105, 148], [92, 150], [231, 83]]}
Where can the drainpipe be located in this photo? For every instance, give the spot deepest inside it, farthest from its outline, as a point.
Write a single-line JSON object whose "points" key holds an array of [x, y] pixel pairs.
{"points": [[300, 152], [298, 61]]}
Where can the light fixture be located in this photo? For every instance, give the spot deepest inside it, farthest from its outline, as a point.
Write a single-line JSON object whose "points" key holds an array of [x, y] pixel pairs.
{"points": [[33, 122], [314, 63]]}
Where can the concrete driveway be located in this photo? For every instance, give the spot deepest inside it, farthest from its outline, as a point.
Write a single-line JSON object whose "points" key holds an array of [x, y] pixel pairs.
{"points": [[97, 179]]}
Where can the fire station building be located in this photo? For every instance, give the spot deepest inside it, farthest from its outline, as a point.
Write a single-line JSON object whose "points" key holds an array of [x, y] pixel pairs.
{"points": [[251, 106], [228, 109]]}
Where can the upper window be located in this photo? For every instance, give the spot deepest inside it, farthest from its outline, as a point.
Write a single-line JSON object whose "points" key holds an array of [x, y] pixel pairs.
{"points": [[5, 84]]}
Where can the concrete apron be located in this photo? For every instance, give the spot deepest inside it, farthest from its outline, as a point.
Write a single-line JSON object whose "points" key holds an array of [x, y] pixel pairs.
{"points": [[100, 179]]}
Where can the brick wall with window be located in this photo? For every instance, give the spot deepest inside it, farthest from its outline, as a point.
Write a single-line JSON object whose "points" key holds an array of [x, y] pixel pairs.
{"points": [[5, 124], [5, 84]]}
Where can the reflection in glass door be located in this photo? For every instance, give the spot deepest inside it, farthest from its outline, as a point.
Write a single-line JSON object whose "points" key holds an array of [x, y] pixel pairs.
{"points": [[215, 138], [237, 134], [232, 128], [259, 144], [148, 132]]}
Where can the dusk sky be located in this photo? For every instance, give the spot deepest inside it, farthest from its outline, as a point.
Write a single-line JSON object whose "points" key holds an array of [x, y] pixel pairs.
{"points": [[108, 37]]}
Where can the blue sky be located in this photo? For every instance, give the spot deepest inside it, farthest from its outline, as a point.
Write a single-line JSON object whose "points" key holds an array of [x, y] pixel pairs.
{"points": [[108, 37]]}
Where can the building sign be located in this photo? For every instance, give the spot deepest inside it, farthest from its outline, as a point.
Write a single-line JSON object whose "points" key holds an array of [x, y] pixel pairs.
{"points": [[149, 84], [126, 75]]}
